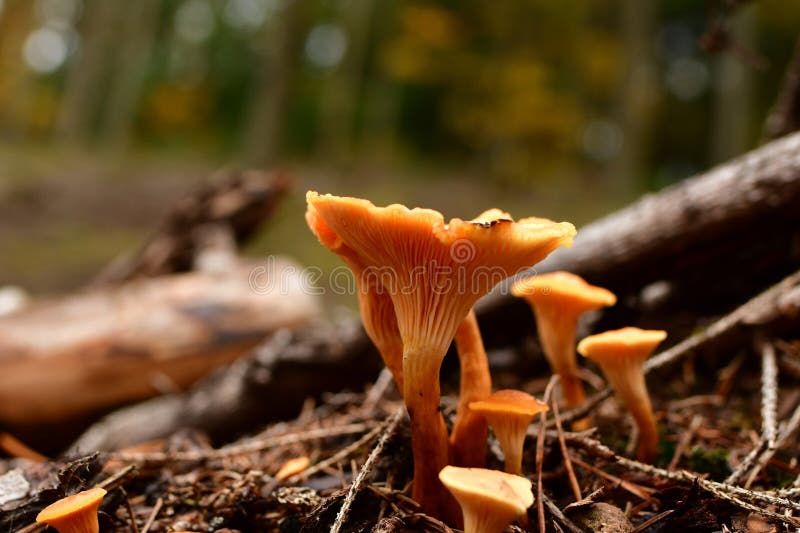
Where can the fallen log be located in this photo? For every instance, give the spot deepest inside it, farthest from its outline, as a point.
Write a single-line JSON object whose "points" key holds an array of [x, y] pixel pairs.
{"points": [[85, 353], [269, 385], [273, 382], [725, 219], [239, 202], [715, 240]]}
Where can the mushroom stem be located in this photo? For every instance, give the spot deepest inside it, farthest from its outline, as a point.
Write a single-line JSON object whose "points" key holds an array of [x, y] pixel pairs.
{"points": [[633, 392], [557, 335], [470, 430], [429, 442]]}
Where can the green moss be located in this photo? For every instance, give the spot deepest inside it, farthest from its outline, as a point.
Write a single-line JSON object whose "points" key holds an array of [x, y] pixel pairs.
{"points": [[713, 462]]}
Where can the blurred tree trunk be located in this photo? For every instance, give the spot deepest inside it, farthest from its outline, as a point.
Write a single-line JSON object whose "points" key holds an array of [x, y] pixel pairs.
{"points": [[733, 92], [135, 51], [345, 84], [269, 106], [85, 86], [17, 87], [381, 98], [638, 96]]}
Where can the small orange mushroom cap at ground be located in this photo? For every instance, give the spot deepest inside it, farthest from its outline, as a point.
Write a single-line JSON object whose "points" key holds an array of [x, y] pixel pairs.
{"points": [[490, 500], [510, 412], [292, 467], [558, 299], [74, 514], [621, 354], [434, 271]]}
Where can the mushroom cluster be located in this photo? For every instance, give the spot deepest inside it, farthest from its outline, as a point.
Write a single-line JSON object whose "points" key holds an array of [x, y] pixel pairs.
{"points": [[418, 278], [433, 272]]}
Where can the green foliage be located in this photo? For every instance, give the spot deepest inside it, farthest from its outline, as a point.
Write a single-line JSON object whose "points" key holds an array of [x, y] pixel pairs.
{"points": [[522, 91]]}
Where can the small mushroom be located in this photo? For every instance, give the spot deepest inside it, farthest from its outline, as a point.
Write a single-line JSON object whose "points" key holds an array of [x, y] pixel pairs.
{"points": [[74, 514], [510, 412], [490, 500], [468, 436], [434, 273], [558, 299], [292, 467], [621, 354]]}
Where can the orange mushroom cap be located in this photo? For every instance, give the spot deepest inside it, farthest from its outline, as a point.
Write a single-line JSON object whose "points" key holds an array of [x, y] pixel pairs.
{"points": [[292, 467], [434, 272], [621, 354], [489, 499], [510, 412], [564, 290], [420, 258], [74, 514], [629, 345], [558, 299]]}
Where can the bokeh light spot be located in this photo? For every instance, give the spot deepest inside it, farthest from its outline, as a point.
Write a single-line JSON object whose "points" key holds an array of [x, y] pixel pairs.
{"points": [[602, 139], [45, 50], [326, 45], [194, 21], [687, 78], [249, 13]]}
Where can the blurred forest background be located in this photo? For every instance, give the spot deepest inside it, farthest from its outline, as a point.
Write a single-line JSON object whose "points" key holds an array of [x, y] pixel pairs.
{"points": [[109, 109]]}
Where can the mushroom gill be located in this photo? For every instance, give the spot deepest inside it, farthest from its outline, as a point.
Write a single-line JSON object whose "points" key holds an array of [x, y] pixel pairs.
{"points": [[434, 272]]}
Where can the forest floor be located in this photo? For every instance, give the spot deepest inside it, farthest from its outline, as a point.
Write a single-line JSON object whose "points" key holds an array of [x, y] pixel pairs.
{"points": [[700, 481]]}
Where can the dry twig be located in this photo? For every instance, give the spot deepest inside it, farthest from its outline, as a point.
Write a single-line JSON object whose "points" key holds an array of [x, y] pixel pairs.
{"points": [[686, 439], [540, 453], [769, 401], [573, 481], [153, 514], [559, 516], [788, 429], [340, 455], [242, 448], [391, 425], [743, 498]]}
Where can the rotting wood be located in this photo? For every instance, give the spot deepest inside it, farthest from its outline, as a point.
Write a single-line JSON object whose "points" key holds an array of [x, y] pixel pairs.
{"points": [[289, 367], [91, 351]]}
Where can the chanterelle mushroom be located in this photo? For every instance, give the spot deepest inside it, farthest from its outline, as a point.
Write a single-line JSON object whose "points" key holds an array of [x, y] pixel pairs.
{"points": [[74, 514], [489, 499], [510, 412], [620, 354], [558, 299], [434, 272]]}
